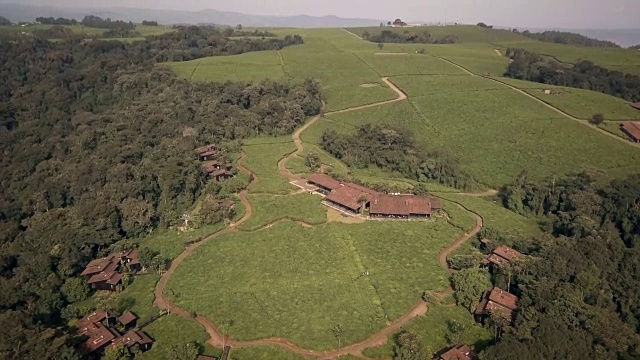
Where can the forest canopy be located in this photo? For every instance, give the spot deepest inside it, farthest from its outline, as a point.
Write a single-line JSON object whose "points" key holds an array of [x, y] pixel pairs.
{"points": [[98, 143], [424, 37], [569, 38]]}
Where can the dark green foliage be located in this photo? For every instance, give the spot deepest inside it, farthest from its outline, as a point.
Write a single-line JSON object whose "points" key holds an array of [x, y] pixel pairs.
{"points": [[483, 25], [97, 150], [258, 33], [388, 36], [469, 285], [149, 23], [393, 150], [410, 347], [583, 75], [635, 47], [569, 38], [579, 290], [312, 160], [188, 351], [597, 119], [54, 21], [75, 289], [97, 22]]}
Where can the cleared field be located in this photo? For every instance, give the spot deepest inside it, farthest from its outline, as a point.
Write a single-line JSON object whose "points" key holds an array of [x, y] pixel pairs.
{"points": [[433, 328], [296, 165], [244, 67], [614, 128], [458, 217], [262, 159], [465, 33], [495, 216], [267, 209], [264, 353], [284, 291], [417, 86], [411, 64], [170, 243], [138, 297], [171, 330]]}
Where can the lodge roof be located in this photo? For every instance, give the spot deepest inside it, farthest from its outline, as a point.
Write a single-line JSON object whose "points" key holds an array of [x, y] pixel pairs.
{"points": [[127, 318], [503, 254], [503, 298], [460, 352], [97, 265], [206, 148], [349, 196], [95, 317], [632, 128], [324, 181], [99, 336], [401, 205], [131, 338], [110, 277], [498, 301]]}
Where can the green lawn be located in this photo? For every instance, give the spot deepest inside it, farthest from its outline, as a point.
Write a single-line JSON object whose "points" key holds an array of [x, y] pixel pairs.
{"points": [[244, 67], [285, 290], [495, 216], [138, 297], [264, 353], [433, 328], [297, 165], [262, 159], [170, 243], [417, 86], [268, 208], [459, 217], [172, 330]]}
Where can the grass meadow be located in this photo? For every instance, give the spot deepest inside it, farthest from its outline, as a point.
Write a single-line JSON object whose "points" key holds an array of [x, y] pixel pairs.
{"points": [[138, 297], [283, 291], [171, 330], [264, 353], [262, 158], [268, 208], [170, 243]]}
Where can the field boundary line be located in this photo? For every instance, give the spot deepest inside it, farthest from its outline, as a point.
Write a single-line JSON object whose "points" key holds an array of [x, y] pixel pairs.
{"points": [[359, 37], [193, 72], [283, 66]]}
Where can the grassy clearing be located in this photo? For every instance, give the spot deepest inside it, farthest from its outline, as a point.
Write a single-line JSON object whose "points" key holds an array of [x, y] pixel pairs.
{"points": [[495, 216], [264, 353], [262, 159], [78, 29], [460, 218], [267, 209], [411, 64], [244, 67], [283, 291], [584, 104], [417, 86], [171, 330], [297, 165], [170, 243], [138, 297]]}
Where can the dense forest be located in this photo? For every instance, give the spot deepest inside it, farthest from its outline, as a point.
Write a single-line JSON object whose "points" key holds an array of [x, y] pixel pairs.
{"points": [[569, 38], [394, 150], [584, 74], [100, 23], [149, 23], [579, 289], [98, 143], [54, 21], [424, 37]]}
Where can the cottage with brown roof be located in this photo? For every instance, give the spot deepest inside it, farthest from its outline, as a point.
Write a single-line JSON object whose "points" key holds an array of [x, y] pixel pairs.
{"points": [[325, 183], [497, 301], [350, 197], [102, 274], [133, 337], [460, 352], [632, 130], [128, 319], [401, 206], [96, 327], [503, 255], [207, 152]]}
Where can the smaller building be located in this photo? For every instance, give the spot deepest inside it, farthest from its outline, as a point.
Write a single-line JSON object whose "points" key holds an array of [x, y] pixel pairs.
{"points": [[133, 337], [128, 319], [499, 302], [503, 255], [460, 352], [103, 274], [632, 130], [129, 258], [207, 152]]}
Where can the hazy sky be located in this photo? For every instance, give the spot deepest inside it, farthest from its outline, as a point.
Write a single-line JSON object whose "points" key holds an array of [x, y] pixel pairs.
{"points": [[529, 13]]}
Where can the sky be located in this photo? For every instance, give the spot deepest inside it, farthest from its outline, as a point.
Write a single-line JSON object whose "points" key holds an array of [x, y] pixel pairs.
{"points": [[514, 13]]}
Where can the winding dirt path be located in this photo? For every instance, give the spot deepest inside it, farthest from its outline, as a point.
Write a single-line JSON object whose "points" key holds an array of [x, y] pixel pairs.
{"points": [[442, 256], [219, 339], [561, 112]]}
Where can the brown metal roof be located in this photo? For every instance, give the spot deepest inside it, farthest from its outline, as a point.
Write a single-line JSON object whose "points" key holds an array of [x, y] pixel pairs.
{"points": [[348, 197], [503, 298], [460, 352], [95, 317], [632, 128], [401, 205], [99, 336], [324, 181], [97, 265], [131, 338], [499, 302], [127, 318], [503, 254], [635, 105], [206, 148]]}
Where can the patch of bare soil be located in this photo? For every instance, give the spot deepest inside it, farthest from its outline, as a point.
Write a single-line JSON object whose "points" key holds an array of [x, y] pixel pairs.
{"points": [[369, 85]]}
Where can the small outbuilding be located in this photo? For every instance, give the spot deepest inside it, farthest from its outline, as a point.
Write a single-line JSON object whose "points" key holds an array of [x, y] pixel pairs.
{"points": [[503, 255], [499, 302], [460, 352], [128, 319], [632, 130]]}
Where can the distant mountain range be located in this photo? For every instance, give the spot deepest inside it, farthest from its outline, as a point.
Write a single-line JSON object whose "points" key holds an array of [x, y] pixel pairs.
{"points": [[18, 12]]}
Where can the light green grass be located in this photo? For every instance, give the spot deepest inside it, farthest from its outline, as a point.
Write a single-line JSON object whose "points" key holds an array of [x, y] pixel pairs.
{"points": [[268, 208], [170, 243], [459, 217], [244, 67], [262, 159], [417, 86], [146, 30], [138, 297], [495, 216], [297, 165], [264, 353], [614, 128], [285, 290], [172, 330]]}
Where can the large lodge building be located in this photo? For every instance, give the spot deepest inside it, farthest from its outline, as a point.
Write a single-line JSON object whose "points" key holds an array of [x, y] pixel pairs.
{"points": [[352, 198]]}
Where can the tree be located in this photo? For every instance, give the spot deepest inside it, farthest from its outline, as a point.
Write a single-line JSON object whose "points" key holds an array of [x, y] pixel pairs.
{"points": [[239, 27], [381, 24], [481, 24], [410, 347], [188, 351], [455, 330], [388, 23], [116, 353], [469, 285], [420, 189], [597, 119], [380, 45], [106, 300], [146, 255], [338, 332], [75, 289], [365, 35], [312, 160]]}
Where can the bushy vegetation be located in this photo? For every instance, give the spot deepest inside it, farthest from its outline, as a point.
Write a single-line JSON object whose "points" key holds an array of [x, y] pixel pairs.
{"points": [[98, 145], [100, 23], [581, 284], [388, 36], [569, 38], [584, 74], [393, 149], [54, 21]]}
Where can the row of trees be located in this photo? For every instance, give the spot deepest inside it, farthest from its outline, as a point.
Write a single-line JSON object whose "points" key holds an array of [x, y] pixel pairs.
{"points": [[393, 149], [98, 147], [584, 74], [100, 23], [579, 289], [424, 37], [54, 21], [149, 23], [568, 38]]}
